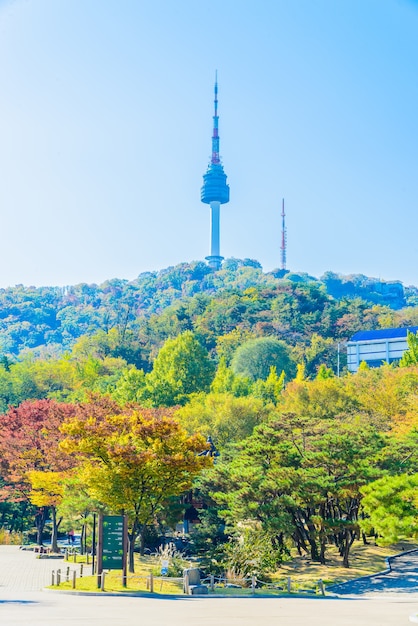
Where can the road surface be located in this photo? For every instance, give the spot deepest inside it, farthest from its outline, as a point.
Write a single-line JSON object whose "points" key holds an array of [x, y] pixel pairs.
{"points": [[23, 604]]}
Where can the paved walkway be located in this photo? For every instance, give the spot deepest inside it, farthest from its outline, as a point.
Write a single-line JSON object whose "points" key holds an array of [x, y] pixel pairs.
{"points": [[22, 604], [403, 578], [20, 570]]}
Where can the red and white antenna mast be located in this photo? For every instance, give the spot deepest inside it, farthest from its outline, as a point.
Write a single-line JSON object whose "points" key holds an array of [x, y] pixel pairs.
{"points": [[284, 239]]}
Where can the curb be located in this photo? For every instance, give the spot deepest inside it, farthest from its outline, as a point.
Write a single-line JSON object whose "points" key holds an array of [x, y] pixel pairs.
{"points": [[162, 596], [105, 594]]}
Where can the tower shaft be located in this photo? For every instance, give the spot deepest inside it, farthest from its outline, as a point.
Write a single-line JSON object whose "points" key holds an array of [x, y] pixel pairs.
{"points": [[215, 259]]}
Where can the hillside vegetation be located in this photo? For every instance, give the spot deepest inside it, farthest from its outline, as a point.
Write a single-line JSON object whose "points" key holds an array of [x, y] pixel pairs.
{"points": [[191, 296], [108, 395]]}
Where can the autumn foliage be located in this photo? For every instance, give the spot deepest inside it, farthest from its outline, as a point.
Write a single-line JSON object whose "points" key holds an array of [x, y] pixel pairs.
{"points": [[133, 461]]}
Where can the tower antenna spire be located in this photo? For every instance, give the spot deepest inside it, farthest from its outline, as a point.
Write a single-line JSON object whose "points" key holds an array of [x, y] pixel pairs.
{"points": [[284, 239], [215, 160], [215, 190]]}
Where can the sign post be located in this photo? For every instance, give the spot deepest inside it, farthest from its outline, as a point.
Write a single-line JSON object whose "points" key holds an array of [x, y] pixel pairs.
{"points": [[125, 552], [112, 544], [93, 547]]}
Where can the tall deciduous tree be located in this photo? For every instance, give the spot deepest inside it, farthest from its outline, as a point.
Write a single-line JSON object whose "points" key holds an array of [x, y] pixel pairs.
{"points": [[182, 367], [255, 358], [29, 437], [133, 462], [226, 381], [222, 416], [48, 491]]}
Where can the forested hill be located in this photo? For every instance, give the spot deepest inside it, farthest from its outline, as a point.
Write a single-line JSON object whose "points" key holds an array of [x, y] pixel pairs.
{"points": [[142, 313]]}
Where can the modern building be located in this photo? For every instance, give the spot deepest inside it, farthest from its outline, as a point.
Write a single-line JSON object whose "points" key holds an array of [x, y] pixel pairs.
{"points": [[376, 347], [215, 191]]}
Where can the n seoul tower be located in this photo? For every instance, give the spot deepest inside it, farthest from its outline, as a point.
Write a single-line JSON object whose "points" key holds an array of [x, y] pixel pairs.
{"points": [[215, 191]]}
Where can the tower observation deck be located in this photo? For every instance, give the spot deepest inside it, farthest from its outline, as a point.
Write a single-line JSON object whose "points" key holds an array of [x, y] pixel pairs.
{"points": [[215, 190]]}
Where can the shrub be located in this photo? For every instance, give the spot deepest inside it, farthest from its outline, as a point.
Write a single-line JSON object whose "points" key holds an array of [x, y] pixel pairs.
{"points": [[8, 538], [176, 560]]}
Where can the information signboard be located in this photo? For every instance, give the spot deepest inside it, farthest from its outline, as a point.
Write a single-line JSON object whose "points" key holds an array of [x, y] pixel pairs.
{"points": [[113, 541]]}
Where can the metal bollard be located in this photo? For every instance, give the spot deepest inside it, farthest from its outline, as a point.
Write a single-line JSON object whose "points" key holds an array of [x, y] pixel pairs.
{"points": [[58, 577], [102, 586], [74, 578], [67, 578], [81, 570], [75, 556], [53, 578]]}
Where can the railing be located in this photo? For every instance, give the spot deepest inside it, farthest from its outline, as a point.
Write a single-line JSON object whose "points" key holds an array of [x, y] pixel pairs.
{"points": [[149, 583], [256, 584], [74, 553], [215, 584]]}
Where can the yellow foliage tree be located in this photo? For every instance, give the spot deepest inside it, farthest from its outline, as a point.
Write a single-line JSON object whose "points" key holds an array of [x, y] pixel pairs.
{"points": [[48, 490], [134, 462]]}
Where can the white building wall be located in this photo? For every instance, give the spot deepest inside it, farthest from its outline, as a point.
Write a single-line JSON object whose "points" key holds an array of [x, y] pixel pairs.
{"points": [[374, 352]]}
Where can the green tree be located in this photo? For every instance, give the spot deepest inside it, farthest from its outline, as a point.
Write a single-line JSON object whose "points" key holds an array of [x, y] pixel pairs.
{"points": [[299, 477], [222, 416], [391, 507], [324, 372], [318, 352], [410, 357], [270, 390], [77, 507], [255, 358], [181, 368], [130, 387], [226, 381]]}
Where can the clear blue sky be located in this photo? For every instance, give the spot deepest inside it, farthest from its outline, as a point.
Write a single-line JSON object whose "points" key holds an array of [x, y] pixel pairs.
{"points": [[105, 126]]}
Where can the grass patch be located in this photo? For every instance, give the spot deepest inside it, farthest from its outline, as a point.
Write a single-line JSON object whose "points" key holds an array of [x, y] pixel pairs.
{"points": [[137, 582], [304, 573], [113, 583], [79, 558], [364, 560]]}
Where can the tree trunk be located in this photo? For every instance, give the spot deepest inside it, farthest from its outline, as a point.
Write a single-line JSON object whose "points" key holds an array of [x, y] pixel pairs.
{"points": [[54, 536], [131, 546], [314, 549], [349, 539], [142, 539], [322, 543], [299, 535], [40, 518], [131, 563], [312, 541], [83, 538]]}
